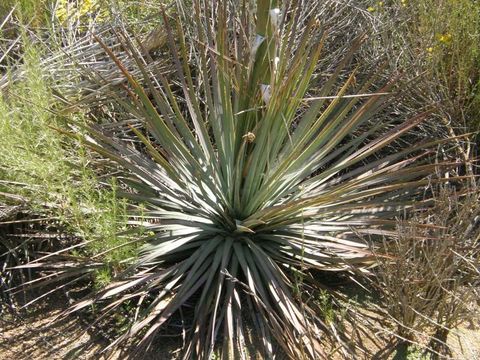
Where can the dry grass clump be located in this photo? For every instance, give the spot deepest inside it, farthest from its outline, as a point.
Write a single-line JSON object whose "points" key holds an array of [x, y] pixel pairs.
{"points": [[428, 278]]}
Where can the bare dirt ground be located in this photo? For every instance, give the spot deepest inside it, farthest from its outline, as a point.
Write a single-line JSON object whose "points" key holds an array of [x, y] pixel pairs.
{"points": [[465, 343], [31, 338]]}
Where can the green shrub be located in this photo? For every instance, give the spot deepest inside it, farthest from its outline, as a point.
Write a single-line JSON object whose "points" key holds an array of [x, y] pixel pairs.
{"points": [[30, 148], [439, 42], [50, 172], [33, 12], [450, 31]]}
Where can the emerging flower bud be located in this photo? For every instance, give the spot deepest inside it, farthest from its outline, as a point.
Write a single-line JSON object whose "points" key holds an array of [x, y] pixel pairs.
{"points": [[249, 137], [275, 17]]}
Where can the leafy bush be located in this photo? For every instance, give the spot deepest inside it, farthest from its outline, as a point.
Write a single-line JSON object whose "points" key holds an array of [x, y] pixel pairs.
{"points": [[48, 175], [453, 50], [437, 41], [30, 148]]}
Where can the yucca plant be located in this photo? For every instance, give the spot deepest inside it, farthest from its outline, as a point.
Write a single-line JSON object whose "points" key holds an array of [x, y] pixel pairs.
{"points": [[247, 182]]}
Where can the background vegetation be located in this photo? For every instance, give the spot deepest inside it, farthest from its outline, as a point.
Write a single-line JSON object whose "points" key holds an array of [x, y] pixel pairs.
{"points": [[425, 282]]}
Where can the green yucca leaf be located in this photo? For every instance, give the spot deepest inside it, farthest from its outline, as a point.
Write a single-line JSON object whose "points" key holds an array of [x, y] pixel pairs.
{"points": [[245, 184]]}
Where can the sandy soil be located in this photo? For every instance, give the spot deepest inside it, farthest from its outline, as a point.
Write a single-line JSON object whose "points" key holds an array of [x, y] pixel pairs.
{"points": [[31, 338], [465, 343], [34, 338]]}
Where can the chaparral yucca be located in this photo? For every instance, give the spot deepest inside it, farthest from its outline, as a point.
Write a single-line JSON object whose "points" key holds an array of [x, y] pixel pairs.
{"points": [[246, 182]]}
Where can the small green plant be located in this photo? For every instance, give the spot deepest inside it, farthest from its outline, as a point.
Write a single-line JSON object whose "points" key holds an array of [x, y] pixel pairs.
{"points": [[326, 306], [410, 353], [102, 277]]}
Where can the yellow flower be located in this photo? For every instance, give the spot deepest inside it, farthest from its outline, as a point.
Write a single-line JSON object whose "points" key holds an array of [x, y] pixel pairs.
{"points": [[87, 7], [370, 9], [78, 10], [380, 3], [404, 3], [430, 49], [444, 38]]}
